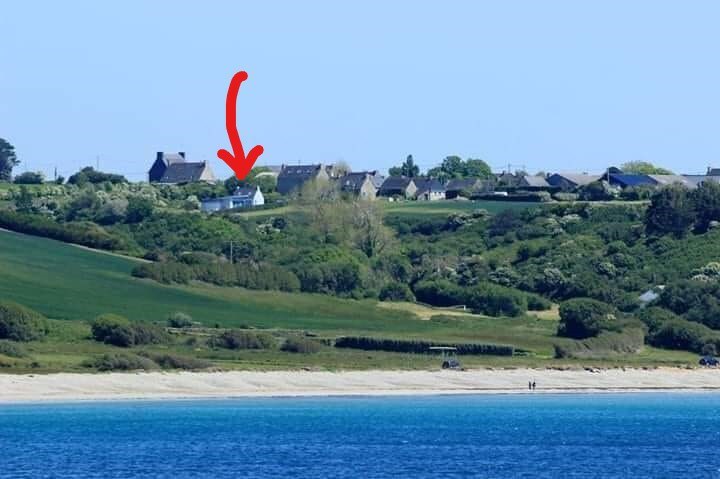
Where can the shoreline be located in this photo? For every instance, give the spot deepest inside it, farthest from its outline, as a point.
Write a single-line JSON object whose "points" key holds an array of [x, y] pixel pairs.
{"points": [[80, 387]]}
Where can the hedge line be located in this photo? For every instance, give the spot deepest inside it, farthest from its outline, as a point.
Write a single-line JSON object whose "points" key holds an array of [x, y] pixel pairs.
{"points": [[89, 235], [419, 347]]}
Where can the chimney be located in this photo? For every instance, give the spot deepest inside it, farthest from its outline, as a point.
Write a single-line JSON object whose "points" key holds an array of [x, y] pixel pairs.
{"points": [[159, 155], [182, 153]]}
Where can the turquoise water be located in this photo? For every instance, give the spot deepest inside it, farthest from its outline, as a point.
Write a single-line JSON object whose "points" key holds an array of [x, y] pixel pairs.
{"points": [[567, 436]]}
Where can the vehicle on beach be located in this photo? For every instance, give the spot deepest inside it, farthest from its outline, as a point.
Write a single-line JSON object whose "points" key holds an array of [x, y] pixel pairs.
{"points": [[449, 358], [709, 361]]}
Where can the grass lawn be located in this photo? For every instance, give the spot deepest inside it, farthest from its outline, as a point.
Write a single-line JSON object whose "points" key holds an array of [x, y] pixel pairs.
{"points": [[446, 207]]}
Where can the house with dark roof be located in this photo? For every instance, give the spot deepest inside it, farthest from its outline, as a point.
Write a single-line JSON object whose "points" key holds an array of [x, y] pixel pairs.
{"points": [[466, 187], [293, 177], [398, 186], [712, 171], [533, 182], [429, 189], [630, 180], [362, 184], [172, 168], [242, 197], [571, 181]]}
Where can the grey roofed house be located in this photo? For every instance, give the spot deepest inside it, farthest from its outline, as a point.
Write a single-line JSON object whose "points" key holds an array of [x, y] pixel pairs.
{"points": [[398, 186], [360, 183], [568, 181], [429, 189], [533, 181], [712, 171], [173, 168], [293, 177], [697, 180], [665, 180], [458, 185]]}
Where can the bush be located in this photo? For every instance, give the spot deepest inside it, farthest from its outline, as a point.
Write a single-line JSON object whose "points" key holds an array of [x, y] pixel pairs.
{"points": [[179, 320], [439, 293], [29, 178], [685, 335], [11, 349], [237, 339], [495, 300], [538, 303], [582, 318], [121, 362], [297, 344], [119, 331], [654, 317], [629, 341], [396, 292], [90, 175], [19, 323], [173, 361], [419, 347]]}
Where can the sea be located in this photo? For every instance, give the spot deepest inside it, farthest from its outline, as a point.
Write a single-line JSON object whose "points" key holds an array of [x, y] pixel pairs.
{"points": [[671, 435]]}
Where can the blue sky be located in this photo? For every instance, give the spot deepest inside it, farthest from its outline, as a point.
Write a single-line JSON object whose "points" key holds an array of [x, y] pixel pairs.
{"points": [[552, 85]]}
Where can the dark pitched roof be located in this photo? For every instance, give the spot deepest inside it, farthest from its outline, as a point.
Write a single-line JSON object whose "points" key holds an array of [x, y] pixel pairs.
{"points": [[713, 171], [183, 172], [630, 180], [460, 184], [246, 191], [535, 181], [393, 183], [292, 177], [428, 185], [353, 181], [575, 179]]}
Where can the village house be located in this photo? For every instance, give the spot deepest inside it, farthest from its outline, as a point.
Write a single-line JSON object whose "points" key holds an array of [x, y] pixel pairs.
{"points": [[630, 180], [362, 184], [242, 197], [533, 183], [571, 181], [398, 186], [429, 189], [172, 168], [293, 178], [466, 187]]}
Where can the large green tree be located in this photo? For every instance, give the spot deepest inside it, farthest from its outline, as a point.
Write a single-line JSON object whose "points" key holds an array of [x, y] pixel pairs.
{"points": [[643, 168], [671, 210], [8, 160], [408, 168], [706, 199], [454, 167]]}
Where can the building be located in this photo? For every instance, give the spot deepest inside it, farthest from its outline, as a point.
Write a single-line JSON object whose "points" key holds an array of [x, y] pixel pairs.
{"points": [[362, 184], [533, 182], [246, 197], [666, 180], [398, 186], [465, 187], [172, 168], [429, 189], [571, 181], [293, 178], [630, 180]]}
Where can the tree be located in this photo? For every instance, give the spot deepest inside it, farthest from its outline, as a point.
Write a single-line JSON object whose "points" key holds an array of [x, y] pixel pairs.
{"points": [[24, 202], [454, 167], [643, 168], [8, 160], [29, 178], [408, 168], [138, 209], [371, 236], [582, 318], [671, 210], [706, 200], [91, 175]]}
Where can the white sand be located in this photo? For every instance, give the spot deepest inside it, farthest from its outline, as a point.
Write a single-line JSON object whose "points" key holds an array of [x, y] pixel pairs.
{"points": [[72, 387]]}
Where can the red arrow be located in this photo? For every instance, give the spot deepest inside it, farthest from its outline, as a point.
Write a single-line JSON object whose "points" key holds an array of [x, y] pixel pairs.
{"points": [[239, 163]]}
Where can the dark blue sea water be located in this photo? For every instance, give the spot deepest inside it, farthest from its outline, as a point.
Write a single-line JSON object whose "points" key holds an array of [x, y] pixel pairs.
{"points": [[565, 436]]}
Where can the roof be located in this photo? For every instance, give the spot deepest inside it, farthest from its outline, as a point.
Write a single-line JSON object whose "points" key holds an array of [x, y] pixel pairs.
{"points": [[393, 183], [576, 178], [293, 176], [353, 181], [245, 191], [181, 172], [631, 179], [536, 181], [713, 171], [459, 184], [665, 180], [425, 185]]}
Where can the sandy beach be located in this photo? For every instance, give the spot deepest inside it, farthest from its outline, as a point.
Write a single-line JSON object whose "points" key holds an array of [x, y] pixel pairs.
{"points": [[156, 385]]}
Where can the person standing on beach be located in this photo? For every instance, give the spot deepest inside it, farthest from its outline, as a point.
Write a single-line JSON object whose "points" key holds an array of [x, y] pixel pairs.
{"points": [[529, 385], [533, 385]]}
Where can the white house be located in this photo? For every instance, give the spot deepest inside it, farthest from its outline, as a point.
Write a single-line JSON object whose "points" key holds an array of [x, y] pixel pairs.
{"points": [[242, 198]]}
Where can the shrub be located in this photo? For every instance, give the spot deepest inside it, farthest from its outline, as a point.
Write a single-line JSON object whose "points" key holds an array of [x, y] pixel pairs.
{"points": [[439, 293], [681, 334], [654, 317], [29, 178], [119, 331], [19, 323], [297, 344], [629, 341], [537, 303], [121, 362], [419, 347], [90, 175], [11, 349], [495, 300], [582, 318], [179, 320], [173, 361], [236, 339], [396, 292]]}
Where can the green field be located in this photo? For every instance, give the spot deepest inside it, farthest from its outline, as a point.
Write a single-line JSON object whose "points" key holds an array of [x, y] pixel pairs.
{"points": [[446, 207], [73, 285]]}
